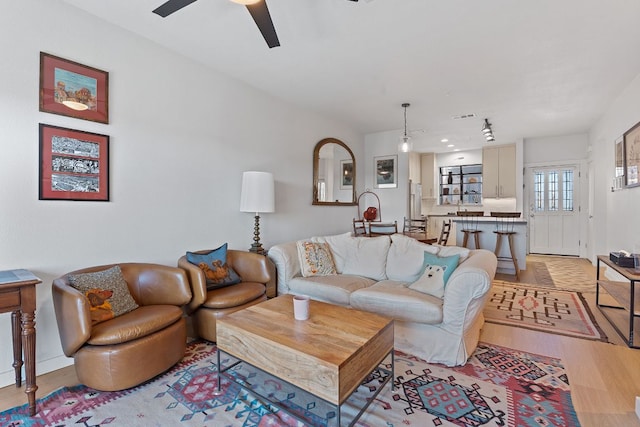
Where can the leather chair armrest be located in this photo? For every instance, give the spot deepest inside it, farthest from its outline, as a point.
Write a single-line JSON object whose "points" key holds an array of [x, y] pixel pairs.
{"points": [[153, 284], [197, 282], [72, 315], [254, 268]]}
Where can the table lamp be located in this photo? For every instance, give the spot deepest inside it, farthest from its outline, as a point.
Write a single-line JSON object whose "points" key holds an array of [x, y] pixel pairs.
{"points": [[257, 196]]}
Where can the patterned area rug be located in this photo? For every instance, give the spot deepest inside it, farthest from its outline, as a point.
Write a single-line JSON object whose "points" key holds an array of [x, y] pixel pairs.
{"points": [[497, 387], [541, 309], [564, 273]]}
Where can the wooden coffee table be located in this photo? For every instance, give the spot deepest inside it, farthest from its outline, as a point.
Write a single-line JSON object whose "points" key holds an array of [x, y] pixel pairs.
{"points": [[329, 355]]}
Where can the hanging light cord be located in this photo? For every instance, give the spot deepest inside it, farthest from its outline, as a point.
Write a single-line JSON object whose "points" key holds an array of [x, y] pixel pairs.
{"points": [[405, 105]]}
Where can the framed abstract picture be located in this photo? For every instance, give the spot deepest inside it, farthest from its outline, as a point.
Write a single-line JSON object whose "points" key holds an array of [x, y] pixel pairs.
{"points": [[72, 89], [74, 165], [386, 171], [632, 156], [346, 174]]}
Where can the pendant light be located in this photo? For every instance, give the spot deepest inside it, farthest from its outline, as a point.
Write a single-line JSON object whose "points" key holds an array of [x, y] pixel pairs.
{"points": [[405, 146]]}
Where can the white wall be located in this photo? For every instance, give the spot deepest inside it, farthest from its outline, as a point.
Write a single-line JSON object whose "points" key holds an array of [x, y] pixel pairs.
{"points": [[556, 148], [615, 224], [394, 202], [181, 136]]}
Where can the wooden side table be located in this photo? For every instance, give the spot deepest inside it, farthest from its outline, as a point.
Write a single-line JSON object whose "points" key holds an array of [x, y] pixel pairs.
{"points": [[18, 296]]}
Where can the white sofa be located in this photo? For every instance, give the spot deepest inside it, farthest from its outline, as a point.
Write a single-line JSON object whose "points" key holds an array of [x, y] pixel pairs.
{"points": [[374, 274]]}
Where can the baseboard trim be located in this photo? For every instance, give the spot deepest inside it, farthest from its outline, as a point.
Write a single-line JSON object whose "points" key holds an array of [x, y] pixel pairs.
{"points": [[42, 367]]}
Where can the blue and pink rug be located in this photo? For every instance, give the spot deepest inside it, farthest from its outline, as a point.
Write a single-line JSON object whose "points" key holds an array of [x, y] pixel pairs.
{"points": [[497, 387]]}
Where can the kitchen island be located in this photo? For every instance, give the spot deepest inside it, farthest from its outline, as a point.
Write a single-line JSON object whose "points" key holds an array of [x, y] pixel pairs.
{"points": [[487, 226]]}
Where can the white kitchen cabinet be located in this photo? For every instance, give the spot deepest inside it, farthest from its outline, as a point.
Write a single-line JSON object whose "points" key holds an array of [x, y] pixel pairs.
{"points": [[415, 168], [499, 171], [428, 168]]}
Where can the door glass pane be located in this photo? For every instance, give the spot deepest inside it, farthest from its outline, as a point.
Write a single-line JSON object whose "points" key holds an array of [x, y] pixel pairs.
{"points": [[567, 190], [553, 191], [538, 189]]}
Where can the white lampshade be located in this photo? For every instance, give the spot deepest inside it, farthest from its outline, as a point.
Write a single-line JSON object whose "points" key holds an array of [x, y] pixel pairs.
{"points": [[257, 192]]}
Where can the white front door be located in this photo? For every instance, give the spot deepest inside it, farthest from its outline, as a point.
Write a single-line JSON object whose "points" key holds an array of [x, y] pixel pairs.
{"points": [[554, 218]]}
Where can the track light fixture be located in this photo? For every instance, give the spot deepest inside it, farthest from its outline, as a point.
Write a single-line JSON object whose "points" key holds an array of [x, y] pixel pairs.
{"points": [[487, 131]]}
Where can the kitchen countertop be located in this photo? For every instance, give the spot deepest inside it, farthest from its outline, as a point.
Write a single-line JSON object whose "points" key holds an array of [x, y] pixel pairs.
{"points": [[486, 218]]}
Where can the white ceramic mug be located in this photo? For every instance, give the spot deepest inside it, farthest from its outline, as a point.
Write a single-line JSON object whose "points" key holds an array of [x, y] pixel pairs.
{"points": [[300, 307]]}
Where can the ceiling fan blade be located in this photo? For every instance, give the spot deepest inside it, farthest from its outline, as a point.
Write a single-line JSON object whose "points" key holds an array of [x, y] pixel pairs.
{"points": [[171, 6], [260, 14]]}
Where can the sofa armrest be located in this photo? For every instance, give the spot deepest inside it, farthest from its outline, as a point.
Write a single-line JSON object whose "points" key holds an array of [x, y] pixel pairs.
{"points": [[152, 284], [285, 258], [253, 267], [197, 282], [74, 329], [467, 289]]}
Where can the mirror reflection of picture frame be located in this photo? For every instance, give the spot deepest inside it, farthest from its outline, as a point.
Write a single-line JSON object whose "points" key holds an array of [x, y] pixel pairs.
{"points": [[618, 180], [632, 156], [346, 174], [386, 172]]}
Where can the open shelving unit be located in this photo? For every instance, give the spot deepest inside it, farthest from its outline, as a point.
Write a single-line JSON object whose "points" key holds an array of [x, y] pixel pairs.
{"points": [[465, 187]]}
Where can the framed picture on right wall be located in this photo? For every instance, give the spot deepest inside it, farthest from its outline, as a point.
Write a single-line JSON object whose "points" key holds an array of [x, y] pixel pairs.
{"points": [[632, 156]]}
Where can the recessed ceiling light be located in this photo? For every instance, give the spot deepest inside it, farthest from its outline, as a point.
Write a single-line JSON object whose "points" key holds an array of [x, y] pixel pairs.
{"points": [[450, 146], [444, 140], [457, 149]]}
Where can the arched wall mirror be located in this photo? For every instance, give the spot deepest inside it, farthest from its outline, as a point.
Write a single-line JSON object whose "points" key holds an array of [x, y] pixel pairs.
{"points": [[334, 174]]}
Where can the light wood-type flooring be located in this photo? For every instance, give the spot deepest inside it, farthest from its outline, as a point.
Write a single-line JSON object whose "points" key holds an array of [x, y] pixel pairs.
{"points": [[604, 377]]}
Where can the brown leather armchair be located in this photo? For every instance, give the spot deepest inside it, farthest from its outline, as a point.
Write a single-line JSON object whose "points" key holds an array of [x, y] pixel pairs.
{"points": [[132, 348], [258, 275]]}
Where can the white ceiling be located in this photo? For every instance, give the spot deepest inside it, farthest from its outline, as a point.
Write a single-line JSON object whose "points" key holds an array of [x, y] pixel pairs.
{"points": [[533, 67]]}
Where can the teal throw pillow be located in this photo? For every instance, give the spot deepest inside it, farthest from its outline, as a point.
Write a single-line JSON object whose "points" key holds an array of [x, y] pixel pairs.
{"points": [[435, 274], [449, 263], [214, 265]]}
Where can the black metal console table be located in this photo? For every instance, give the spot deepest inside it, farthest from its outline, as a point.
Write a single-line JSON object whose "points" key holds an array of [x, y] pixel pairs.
{"points": [[627, 312]]}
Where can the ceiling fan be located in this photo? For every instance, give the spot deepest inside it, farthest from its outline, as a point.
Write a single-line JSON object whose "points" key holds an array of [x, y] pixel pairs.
{"points": [[257, 8]]}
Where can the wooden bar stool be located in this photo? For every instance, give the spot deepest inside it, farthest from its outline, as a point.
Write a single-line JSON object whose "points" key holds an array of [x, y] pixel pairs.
{"points": [[470, 226], [505, 222]]}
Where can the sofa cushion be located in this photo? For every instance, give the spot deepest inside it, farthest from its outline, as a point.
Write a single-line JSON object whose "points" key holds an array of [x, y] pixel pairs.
{"points": [[214, 265], [445, 251], [315, 258], [339, 245], [360, 256], [333, 289], [368, 257], [233, 296], [136, 324], [394, 299], [406, 257], [107, 292]]}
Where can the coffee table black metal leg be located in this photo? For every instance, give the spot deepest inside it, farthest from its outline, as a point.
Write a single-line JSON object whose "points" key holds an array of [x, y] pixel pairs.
{"points": [[393, 371], [218, 392]]}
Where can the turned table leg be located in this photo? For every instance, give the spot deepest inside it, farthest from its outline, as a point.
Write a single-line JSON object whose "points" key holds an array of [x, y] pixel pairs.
{"points": [[29, 345], [16, 334]]}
